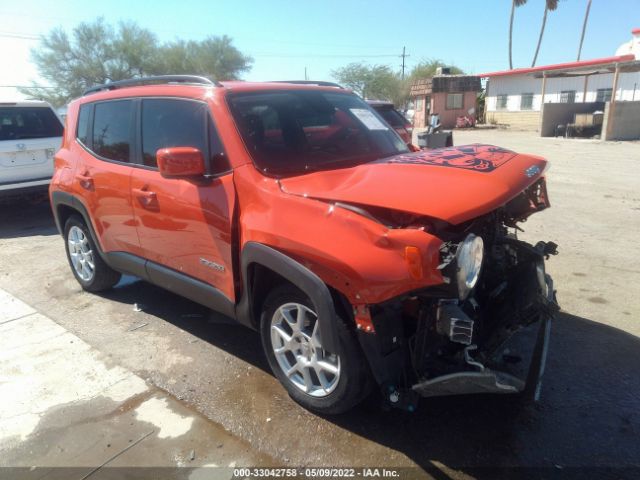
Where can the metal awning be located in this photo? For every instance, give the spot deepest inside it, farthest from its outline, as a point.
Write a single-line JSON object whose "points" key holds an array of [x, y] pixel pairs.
{"points": [[625, 67]]}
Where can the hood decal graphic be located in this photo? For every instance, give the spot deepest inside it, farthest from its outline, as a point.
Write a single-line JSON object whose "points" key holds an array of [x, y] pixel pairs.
{"points": [[481, 158]]}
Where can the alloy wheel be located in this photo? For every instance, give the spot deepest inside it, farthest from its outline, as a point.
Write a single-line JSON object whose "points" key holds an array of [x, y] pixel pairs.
{"points": [[81, 254], [298, 350]]}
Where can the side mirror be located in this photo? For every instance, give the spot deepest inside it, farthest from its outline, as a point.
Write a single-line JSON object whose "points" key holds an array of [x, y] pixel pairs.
{"points": [[178, 162]]}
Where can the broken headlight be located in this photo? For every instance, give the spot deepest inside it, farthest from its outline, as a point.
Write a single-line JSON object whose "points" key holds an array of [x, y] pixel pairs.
{"points": [[469, 262]]}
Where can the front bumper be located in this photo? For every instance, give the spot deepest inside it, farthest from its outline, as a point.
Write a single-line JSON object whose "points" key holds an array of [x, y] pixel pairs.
{"points": [[497, 372]]}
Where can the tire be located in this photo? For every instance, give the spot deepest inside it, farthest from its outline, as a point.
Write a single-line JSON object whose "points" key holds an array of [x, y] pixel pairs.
{"points": [[91, 272], [340, 380]]}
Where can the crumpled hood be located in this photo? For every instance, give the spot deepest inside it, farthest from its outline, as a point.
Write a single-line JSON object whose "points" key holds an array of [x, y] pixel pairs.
{"points": [[452, 184]]}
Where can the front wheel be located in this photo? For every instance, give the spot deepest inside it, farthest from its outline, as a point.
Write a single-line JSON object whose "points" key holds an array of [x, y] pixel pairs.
{"points": [[323, 381]]}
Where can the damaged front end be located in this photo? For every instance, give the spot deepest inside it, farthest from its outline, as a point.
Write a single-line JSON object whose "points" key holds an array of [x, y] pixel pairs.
{"points": [[485, 330]]}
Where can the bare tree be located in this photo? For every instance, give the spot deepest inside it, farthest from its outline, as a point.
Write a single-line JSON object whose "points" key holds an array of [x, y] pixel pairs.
{"points": [[549, 5], [584, 28], [514, 4]]}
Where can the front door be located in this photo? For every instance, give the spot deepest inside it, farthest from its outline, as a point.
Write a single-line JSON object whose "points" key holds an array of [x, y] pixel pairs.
{"points": [[184, 224]]}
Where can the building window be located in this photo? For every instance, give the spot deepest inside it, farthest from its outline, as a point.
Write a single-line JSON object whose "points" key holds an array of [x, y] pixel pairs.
{"points": [[604, 95], [419, 103], [568, 96], [526, 101], [454, 101], [501, 102]]}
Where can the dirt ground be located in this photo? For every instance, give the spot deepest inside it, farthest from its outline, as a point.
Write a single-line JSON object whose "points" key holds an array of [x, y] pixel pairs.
{"points": [[589, 413]]}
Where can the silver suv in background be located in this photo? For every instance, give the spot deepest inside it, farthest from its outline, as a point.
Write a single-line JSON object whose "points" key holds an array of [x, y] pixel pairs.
{"points": [[30, 135]]}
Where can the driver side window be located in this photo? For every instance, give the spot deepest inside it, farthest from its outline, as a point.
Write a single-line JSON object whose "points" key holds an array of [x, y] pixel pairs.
{"points": [[179, 123]]}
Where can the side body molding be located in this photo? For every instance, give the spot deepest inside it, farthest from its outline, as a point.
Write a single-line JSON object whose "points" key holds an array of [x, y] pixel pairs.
{"points": [[301, 277]]}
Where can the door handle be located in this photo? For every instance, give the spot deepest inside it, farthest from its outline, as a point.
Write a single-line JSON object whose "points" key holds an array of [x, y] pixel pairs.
{"points": [[146, 197], [85, 181]]}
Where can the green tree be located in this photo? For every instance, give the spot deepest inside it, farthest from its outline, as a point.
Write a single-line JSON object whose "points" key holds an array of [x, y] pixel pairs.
{"points": [[427, 69], [214, 56], [549, 5], [97, 53], [514, 5], [371, 81], [379, 82]]}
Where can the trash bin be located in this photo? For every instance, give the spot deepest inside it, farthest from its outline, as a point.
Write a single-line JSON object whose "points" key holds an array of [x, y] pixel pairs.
{"points": [[435, 140]]}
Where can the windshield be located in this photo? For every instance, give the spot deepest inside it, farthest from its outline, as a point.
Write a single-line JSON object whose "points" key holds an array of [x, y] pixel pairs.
{"points": [[289, 132], [28, 122]]}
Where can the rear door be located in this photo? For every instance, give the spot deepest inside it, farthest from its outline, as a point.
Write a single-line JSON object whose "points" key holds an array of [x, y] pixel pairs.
{"points": [[106, 135], [184, 224], [29, 138]]}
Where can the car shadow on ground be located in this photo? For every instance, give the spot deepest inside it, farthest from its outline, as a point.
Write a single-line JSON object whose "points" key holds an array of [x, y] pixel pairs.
{"points": [[208, 326], [26, 218], [588, 415]]}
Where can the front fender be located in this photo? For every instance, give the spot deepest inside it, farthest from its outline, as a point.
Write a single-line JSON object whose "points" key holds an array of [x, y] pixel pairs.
{"points": [[298, 275]]}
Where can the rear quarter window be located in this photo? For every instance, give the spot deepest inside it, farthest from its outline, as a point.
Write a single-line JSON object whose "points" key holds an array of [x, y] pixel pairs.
{"points": [[82, 133], [23, 123]]}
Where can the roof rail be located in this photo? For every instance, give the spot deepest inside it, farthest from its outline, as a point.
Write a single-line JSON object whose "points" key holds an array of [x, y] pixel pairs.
{"points": [[319, 83], [192, 79]]}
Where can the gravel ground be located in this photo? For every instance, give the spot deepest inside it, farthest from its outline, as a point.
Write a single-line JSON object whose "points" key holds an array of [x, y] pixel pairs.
{"points": [[588, 414]]}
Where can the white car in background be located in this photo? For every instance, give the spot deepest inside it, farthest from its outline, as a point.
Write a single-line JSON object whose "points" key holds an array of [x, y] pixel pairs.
{"points": [[30, 135]]}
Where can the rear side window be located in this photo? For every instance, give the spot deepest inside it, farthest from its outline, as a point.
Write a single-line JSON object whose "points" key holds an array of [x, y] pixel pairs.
{"points": [[22, 123], [112, 130], [83, 123], [392, 117]]}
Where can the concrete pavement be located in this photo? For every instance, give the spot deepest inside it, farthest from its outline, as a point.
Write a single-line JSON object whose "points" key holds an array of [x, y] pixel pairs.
{"points": [[65, 404]]}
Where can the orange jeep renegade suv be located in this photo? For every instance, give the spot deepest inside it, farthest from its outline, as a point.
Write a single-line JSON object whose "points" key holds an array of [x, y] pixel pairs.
{"points": [[298, 211]]}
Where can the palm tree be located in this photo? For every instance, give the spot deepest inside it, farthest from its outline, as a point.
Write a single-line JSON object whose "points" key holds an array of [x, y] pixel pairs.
{"points": [[514, 4], [548, 5], [584, 28]]}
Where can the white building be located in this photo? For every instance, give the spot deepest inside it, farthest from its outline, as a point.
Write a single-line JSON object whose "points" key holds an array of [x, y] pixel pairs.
{"points": [[515, 97]]}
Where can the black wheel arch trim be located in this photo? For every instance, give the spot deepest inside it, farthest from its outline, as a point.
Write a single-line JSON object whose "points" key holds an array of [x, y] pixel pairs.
{"points": [[66, 199], [298, 275]]}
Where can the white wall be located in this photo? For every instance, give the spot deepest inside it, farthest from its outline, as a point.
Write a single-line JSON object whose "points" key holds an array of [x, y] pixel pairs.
{"points": [[515, 85]]}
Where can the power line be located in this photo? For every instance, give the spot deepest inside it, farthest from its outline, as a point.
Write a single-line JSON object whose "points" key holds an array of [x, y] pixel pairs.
{"points": [[318, 55], [24, 86], [24, 36]]}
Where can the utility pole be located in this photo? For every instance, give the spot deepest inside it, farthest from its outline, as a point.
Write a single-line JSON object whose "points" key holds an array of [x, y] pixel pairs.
{"points": [[305, 73], [404, 55]]}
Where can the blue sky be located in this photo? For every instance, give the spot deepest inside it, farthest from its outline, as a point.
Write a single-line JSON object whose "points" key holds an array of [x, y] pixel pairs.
{"points": [[284, 37]]}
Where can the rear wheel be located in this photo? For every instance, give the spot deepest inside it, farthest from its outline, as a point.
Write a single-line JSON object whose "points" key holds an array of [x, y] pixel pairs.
{"points": [[87, 266], [323, 381]]}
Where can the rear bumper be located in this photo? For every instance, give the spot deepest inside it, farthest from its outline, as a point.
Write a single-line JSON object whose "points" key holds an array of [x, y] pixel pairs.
{"points": [[23, 188]]}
